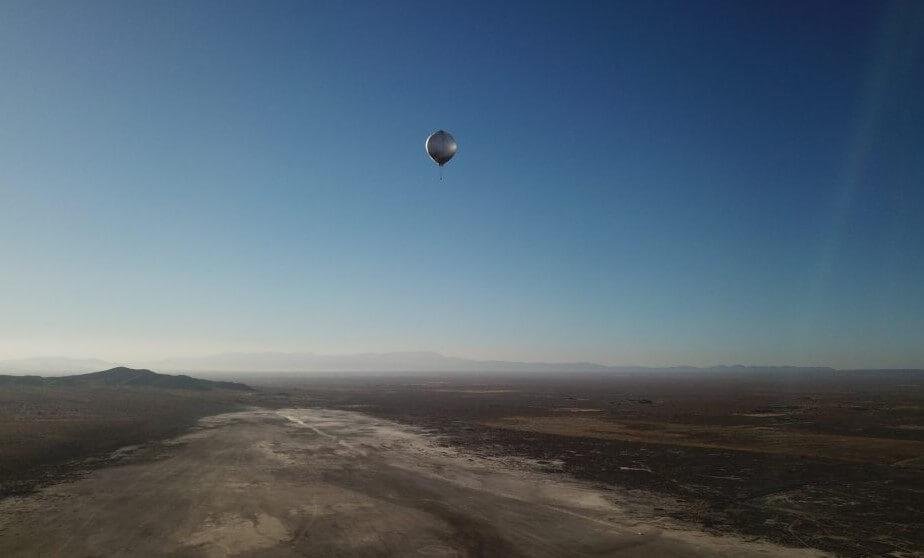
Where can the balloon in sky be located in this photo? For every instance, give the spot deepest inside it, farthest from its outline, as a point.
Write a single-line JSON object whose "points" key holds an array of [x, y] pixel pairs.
{"points": [[441, 146]]}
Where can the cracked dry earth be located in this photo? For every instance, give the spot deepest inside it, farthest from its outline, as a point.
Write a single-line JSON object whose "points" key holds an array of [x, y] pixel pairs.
{"points": [[314, 482]]}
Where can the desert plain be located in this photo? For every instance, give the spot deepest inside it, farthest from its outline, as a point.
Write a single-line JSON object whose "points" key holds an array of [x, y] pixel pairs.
{"points": [[662, 464]]}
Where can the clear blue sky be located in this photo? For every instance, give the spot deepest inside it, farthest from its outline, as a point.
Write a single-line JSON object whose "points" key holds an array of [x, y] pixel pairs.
{"points": [[637, 182]]}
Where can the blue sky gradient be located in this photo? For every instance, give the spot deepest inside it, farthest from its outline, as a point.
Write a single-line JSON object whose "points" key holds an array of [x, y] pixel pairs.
{"points": [[647, 183]]}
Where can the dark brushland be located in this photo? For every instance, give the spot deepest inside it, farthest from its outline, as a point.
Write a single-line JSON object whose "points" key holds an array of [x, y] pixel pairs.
{"points": [[49, 424], [816, 458]]}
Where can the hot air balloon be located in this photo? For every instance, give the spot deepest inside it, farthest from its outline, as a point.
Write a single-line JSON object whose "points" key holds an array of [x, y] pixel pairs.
{"points": [[441, 146]]}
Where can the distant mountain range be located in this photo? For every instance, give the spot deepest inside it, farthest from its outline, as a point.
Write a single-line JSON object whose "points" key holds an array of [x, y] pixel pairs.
{"points": [[127, 377], [398, 362], [364, 362], [360, 362]]}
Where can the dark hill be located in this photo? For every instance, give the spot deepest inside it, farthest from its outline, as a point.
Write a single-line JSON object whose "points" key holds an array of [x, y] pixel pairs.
{"points": [[22, 380], [129, 377]]}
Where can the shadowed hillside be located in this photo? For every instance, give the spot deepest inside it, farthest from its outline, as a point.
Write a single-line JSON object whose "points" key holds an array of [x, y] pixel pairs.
{"points": [[128, 377], [48, 425]]}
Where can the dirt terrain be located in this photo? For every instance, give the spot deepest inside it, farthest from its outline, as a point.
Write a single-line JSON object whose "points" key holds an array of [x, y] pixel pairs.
{"points": [[828, 459], [43, 429], [703, 462], [314, 482]]}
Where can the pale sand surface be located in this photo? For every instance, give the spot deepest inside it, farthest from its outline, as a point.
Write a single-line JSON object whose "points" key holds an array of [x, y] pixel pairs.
{"points": [[310, 482]]}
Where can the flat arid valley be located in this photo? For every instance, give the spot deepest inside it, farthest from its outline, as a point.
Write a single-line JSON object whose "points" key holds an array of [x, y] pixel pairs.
{"points": [[823, 463]]}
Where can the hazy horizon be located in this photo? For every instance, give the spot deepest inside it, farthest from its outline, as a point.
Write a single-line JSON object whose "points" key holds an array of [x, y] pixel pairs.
{"points": [[390, 362], [144, 358], [653, 184]]}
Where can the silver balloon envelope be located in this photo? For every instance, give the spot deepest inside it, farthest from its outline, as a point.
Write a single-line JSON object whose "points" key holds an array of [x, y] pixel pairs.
{"points": [[441, 146]]}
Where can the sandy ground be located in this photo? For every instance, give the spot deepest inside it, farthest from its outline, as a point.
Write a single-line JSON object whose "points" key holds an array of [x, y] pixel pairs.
{"points": [[308, 482]]}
